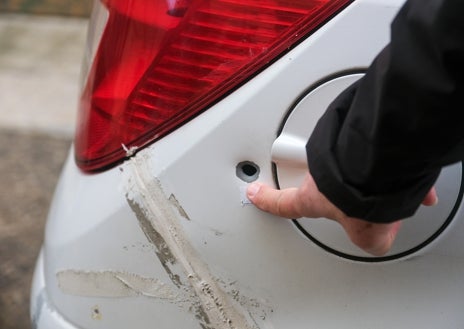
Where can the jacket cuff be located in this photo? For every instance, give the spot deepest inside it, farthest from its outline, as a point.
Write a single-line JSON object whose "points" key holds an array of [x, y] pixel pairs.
{"points": [[332, 180]]}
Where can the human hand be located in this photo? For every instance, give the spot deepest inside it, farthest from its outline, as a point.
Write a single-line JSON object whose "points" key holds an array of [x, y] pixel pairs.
{"points": [[307, 201]]}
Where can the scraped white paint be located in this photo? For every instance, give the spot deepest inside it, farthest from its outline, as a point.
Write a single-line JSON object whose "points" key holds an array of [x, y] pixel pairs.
{"points": [[146, 191], [112, 284], [129, 151]]}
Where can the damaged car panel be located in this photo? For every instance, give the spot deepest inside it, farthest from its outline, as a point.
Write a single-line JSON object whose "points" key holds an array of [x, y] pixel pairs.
{"points": [[165, 237], [160, 223]]}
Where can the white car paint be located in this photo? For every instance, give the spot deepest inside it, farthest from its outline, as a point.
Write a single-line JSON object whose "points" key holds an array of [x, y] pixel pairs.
{"points": [[165, 240]]}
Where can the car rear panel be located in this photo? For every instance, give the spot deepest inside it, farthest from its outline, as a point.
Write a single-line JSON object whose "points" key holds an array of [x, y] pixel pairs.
{"points": [[168, 240]]}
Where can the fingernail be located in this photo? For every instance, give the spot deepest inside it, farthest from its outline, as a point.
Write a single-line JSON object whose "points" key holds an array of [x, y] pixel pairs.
{"points": [[252, 190], [435, 201]]}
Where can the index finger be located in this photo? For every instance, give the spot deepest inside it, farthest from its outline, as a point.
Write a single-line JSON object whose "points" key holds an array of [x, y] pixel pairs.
{"points": [[283, 203]]}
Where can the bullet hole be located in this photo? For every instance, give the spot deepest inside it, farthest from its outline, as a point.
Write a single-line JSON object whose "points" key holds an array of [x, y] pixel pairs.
{"points": [[247, 171]]}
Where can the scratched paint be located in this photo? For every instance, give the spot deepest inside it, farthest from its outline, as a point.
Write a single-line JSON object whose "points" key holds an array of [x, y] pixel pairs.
{"points": [[162, 250], [159, 219], [176, 204], [96, 313], [113, 284], [169, 263]]}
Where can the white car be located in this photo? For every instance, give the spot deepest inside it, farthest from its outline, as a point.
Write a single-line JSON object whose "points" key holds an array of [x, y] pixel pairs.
{"points": [[185, 102]]}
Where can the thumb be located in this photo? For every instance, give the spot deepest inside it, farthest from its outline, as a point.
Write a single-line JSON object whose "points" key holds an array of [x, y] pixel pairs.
{"points": [[283, 203]]}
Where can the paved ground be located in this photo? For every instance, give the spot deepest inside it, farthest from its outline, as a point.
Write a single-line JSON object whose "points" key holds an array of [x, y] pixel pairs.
{"points": [[55, 7], [30, 164], [39, 68]]}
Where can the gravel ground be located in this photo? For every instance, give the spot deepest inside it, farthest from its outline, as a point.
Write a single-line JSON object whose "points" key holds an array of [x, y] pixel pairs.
{"points": [[30, 163]]}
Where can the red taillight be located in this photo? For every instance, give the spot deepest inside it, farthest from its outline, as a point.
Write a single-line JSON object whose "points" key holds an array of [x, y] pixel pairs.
{"points": [[161, 62]]}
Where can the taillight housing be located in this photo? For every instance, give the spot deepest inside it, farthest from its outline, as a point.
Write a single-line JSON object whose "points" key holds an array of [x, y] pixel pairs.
{"points": [[161, 62]]}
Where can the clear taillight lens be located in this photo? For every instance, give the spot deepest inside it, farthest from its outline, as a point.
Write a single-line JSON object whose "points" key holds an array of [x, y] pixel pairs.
{"points": [[161, 62]]}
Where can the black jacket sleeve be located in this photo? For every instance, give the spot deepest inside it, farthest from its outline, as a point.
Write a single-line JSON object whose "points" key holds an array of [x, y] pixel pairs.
{"points": [[380, 146]]}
